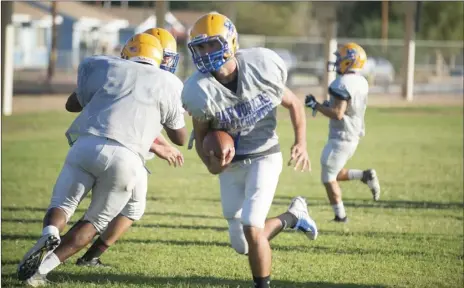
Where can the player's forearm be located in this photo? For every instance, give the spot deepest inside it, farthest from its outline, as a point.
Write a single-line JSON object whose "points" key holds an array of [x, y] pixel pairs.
{"points": [[161, 140], [329, 112], [297, 115], [155, 148], [204, 158]]}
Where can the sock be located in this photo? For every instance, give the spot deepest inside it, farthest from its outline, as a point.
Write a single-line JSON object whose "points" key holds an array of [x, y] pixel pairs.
{"points": [[50, 229], [96, 250], [355, 174], [339, 210], [288, 220], [262, 282], [48, 264]]}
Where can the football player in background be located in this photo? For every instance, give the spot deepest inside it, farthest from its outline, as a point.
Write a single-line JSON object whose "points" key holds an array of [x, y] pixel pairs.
{"points": [[238, 92], [346, 109], [119, 225], [125, 104]]}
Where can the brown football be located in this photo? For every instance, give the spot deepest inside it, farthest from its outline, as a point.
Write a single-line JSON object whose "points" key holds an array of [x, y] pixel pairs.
{"points": [[217, 141]]}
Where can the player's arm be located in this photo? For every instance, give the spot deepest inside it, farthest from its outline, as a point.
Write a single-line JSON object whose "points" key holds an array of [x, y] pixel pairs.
{"points": [[177, 136], [336, 111], [299, 154], [297, 115], [160, 140], [164, 150], [200, 130], [72, 104]]}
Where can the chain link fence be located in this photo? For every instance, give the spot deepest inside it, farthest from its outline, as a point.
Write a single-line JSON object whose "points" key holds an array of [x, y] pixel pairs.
{"points": [[439, 65]]}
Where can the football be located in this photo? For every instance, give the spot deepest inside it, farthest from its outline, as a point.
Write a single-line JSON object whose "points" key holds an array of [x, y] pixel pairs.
{"points": [[217, 141]]}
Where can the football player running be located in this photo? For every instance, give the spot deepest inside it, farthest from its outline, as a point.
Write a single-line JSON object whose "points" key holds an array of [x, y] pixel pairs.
{"points": [[346, 108], [125, 104], [238, 92], [119, 225]]}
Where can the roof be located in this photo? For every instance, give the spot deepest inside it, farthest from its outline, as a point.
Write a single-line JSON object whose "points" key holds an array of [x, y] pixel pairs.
{"points": [[26, 9], [135, 16], [187, 17], [78, 10]]}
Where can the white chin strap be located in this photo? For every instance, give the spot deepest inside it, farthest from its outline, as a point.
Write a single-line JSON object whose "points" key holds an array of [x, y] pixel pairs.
{"points": [[143, 60]]}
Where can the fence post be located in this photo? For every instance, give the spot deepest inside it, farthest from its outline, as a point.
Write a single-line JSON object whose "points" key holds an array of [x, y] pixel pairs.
{"points": [[330, 48], [409, 52], [7, 57]]}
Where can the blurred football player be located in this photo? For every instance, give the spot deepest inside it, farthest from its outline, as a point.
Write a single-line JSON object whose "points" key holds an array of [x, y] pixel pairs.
{"points": [[125, 103], [119, 225], [238, 92], [346, 108]]}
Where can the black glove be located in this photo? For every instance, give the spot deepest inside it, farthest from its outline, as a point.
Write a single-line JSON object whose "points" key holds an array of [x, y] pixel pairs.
{"points": [[311, 102]]}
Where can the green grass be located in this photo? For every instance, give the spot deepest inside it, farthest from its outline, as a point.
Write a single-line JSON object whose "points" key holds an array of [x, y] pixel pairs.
{"points": [[413, 237]]}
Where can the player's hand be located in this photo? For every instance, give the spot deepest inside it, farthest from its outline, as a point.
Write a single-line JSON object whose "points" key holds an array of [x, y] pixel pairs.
{"points": [[299, 157], [219, 164], [311, 102], [171, 154]]}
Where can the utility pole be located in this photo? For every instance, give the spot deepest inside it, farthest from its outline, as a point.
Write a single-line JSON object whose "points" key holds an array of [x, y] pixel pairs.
{"points": [[161, 8], [384, 25], [53, 52]]}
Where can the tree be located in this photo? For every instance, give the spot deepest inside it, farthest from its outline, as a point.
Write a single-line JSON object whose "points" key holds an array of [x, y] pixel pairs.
{"points": [[442, 21]]}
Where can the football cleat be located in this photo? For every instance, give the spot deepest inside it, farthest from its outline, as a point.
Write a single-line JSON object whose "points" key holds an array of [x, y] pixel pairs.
{"points": [[94, 262], [306, 224], [34, 257], [370, 178]]}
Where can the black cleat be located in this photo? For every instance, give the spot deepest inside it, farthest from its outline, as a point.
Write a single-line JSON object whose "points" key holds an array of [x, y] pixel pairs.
{"points": [[94, 262], [340, 220]]}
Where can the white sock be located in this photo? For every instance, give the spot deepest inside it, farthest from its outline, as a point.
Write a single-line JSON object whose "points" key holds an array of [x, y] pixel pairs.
{"points": [[355, 174], [339, 210], [48, 264], [50, 229]]}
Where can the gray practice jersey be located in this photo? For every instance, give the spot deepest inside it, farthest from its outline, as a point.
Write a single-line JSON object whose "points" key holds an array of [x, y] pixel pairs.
{"points": [[248, 115], [126, 101], [354, 88]]}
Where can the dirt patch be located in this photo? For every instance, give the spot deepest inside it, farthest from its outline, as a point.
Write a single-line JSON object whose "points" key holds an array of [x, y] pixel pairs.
{"points": [[56, 102]]}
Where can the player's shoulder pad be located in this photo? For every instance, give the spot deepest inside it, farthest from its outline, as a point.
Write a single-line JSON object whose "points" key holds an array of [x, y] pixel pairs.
{"points": [[266, 60], [339, 89], [167, 82], [194, 96]]}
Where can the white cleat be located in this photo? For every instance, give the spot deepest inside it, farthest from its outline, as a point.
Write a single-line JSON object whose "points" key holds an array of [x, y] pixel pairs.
{"points": [[370, 178], [28, 267], [38, 280], [306, 224]]}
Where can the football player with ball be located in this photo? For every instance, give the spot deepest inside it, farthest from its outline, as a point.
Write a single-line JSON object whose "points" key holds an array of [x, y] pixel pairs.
{"points": [[232, 99]]}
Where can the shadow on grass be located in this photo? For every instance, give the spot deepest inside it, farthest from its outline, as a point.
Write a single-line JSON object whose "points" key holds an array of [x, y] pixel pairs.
{"points": [[309, 248], [196, 281], [364, 203], [169, 214]]}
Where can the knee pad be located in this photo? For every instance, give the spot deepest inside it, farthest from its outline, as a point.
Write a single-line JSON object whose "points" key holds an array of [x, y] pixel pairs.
{"points": [[237, 237]]}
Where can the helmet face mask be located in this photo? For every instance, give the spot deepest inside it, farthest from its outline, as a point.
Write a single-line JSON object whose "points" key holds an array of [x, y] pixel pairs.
{"points": [[204, 57], [170, 61], [212, 30]]}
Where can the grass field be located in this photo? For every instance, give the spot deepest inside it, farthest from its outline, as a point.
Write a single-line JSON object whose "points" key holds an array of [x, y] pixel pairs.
{"points": [[413, 237]]}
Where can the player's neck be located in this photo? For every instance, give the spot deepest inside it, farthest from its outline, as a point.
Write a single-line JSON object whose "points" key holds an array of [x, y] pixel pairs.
{"points": [[227, 73]]}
